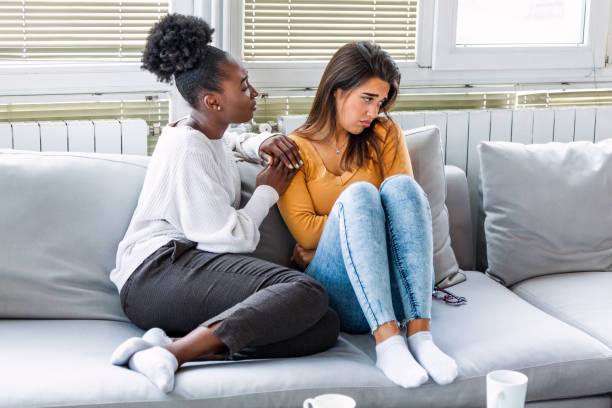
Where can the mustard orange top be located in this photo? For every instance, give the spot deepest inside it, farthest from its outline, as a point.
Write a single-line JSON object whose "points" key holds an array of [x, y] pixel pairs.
{"points": [[313, 191]]}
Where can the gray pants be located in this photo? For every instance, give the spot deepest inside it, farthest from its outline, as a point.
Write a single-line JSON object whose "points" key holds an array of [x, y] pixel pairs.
{"points": [[265, 310]]}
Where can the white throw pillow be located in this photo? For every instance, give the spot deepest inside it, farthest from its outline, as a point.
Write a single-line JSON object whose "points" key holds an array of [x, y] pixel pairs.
{"points": [[427, 160], [548, 208]]}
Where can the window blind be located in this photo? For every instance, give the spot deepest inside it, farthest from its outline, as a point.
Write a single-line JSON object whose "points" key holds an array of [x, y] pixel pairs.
{"points": [[112, 30], [567, 98], [299, 30], [270, 107], [153, 110]]}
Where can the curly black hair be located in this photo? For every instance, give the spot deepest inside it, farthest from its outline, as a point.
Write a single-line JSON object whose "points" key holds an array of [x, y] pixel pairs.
{"points": [[177, 47]]}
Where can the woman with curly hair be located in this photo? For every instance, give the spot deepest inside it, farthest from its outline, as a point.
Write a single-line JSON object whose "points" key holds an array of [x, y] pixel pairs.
{"points": [[362, 223], [179, 268]]}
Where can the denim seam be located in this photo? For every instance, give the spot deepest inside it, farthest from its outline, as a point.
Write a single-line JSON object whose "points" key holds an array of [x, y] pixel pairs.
{"points": [[402, 272], [341, 211]]}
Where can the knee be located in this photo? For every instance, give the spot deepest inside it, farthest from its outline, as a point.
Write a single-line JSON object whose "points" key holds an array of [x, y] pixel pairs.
{"points": [[360, 192], [330, 329], [315, 293], [401, 184]]}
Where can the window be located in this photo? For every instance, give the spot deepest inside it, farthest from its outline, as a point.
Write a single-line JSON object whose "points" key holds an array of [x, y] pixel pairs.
{"points": [[69, 59], [522, 34], [279, 37], [306, 30], [71, 30], [520, 22]]}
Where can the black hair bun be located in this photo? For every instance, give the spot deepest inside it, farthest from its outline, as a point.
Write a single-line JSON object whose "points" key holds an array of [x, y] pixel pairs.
{"points": [[175, 44]]}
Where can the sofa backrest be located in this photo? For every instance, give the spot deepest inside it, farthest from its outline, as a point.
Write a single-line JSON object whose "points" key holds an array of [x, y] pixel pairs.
{"points": [[62, 216]]}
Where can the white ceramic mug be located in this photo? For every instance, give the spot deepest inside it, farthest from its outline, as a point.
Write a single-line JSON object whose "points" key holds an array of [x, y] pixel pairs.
{"points": [[330, 401], [506, 389]]}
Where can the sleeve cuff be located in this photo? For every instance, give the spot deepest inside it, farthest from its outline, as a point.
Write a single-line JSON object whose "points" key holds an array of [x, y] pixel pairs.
{"points": [[252, 144], [258, 206]]}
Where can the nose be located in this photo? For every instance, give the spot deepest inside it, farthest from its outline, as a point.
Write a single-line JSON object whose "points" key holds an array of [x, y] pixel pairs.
{"points": [[254, 93], [372, 111]]}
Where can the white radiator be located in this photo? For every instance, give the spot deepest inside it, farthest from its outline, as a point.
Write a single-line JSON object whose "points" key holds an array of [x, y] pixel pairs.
{"points": [[125, 136]]}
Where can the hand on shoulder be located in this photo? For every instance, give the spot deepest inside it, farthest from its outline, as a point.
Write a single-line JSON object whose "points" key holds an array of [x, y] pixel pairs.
{"points": [[279, 147]]}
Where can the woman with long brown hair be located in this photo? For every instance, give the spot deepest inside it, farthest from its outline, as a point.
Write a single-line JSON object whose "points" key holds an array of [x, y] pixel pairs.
{"points": [[362, 223]]}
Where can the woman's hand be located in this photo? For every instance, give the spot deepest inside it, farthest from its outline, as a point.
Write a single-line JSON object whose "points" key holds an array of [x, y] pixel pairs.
{"points": [[280, 148], [276, 175], [302, 257]]}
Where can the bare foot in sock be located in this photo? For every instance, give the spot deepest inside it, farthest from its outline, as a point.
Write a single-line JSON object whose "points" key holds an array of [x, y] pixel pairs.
{"points": [[441, 367], [158, 365], [394, 359], [153, 337]]}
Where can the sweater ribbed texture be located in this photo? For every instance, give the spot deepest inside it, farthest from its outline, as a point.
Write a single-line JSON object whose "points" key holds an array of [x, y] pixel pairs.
{"points": [[191, 191]]}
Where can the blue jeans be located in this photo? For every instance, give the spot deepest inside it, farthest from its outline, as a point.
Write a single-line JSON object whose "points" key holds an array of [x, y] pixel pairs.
{"points": [[375, 255]]}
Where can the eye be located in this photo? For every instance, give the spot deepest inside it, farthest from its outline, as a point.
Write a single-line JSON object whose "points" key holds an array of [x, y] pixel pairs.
{"points": [[367, 99]]}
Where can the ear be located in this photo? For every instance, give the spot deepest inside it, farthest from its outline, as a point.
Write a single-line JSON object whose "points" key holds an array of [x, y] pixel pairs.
{"points": [[339, 94], [340, 97], [210, 101]]}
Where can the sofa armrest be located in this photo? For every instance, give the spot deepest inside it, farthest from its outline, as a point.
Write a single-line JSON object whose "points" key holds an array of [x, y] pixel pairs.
{"points": [[460, 219]]}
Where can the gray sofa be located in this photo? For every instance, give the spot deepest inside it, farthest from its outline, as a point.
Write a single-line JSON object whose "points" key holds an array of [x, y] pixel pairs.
{"points": [[63, 214]]}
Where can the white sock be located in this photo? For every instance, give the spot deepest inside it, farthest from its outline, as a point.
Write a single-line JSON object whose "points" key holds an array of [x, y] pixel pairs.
{"points": [[157, 364], [394, 359], [153, 337], [157, 337], [441, 367], [122, 354]]}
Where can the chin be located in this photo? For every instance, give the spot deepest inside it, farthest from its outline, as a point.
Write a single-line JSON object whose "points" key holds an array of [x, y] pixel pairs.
{"points": [[246, 118]]}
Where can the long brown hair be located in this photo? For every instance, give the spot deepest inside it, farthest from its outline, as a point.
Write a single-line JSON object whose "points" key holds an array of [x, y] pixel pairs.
{"points": [[351, 66]]}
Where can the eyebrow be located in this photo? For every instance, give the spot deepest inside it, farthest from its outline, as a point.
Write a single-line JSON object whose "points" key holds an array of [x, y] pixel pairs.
{"points": [[244, 79], [374, 96]]}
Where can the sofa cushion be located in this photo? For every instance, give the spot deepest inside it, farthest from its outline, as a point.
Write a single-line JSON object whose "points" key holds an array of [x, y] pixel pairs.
{"points": [[428, 166], [581, 299], [62, 216], [459, 216], [50, 365], [497, 329], [547, 208], [275, 241], [276, 244]]}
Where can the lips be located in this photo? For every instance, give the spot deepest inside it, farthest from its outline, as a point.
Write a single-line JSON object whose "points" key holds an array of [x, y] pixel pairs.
{"points": [[365, 123], [254, 106]]}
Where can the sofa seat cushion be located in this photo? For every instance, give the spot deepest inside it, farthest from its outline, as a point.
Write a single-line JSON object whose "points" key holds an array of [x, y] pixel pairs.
{"points": [[581, 299], [65, 362], [497, 329]]}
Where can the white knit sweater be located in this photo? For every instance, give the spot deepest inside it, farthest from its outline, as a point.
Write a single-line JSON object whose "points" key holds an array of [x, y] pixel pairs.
{"points": [[191, 191]]}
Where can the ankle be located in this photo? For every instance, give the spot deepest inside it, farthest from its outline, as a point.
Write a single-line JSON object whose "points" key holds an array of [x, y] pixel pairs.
{"points": [[386, 330], [176, 352], [417, 325]]}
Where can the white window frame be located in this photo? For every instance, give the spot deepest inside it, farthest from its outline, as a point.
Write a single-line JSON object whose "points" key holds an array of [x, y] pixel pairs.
{"points": [[448, 56], [427, 69]]}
